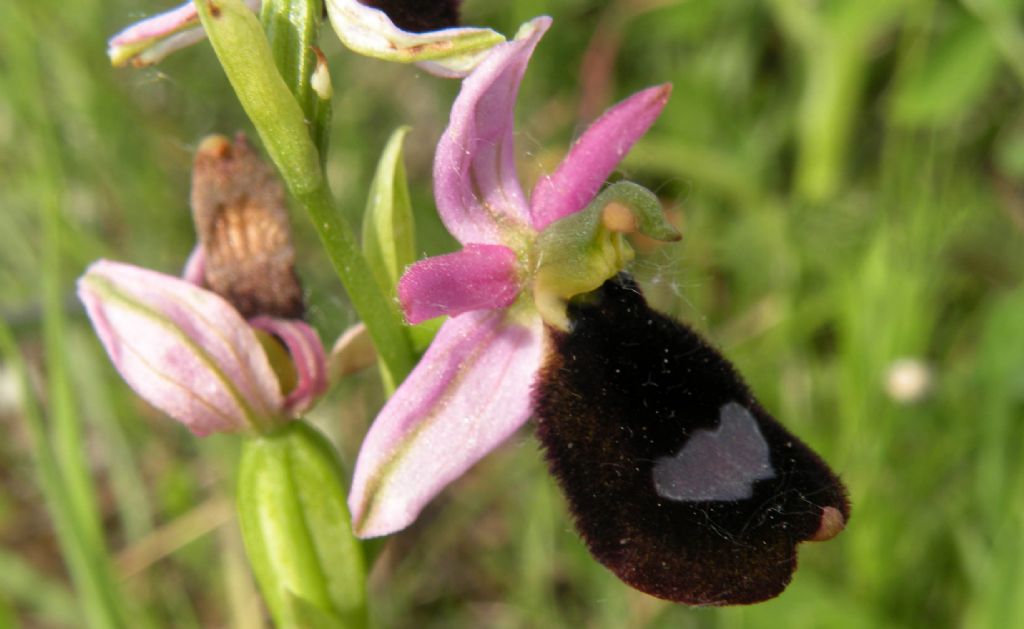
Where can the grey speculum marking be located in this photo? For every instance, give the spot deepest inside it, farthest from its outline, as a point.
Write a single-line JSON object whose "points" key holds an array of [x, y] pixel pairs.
{"points": [[717, 465]]}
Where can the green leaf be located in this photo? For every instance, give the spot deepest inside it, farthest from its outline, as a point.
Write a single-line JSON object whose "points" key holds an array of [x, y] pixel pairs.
{"points": [[388, 231], [951, 80]]}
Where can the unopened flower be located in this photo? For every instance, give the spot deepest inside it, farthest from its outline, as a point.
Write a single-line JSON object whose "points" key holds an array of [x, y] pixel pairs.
{"points": [[518, 264], [191, 352]]}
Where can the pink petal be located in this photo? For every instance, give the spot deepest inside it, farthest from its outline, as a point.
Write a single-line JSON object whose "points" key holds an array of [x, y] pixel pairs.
{"points": [[595, 155], [470, 392], [480, 277], [184, 349], [307, 354], [475, 182]]}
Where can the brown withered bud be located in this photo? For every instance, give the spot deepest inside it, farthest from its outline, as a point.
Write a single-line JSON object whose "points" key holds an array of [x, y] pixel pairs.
{"points": [[419, 16], [238, 206], [680, 482]]}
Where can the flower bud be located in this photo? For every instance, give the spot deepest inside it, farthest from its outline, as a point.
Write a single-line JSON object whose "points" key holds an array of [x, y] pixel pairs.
{"points": [[184, 349]]}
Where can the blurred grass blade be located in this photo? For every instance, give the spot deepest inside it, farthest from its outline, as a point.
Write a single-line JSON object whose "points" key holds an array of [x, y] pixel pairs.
{"points": [[49, 601], [837, 63], [1002, 18], [99, 405], [88, 563], [950, 80], [58, 447]]}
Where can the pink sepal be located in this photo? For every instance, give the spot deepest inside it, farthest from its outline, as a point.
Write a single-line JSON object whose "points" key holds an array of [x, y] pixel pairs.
{"points": [[470, 392], [475, 183], [160, 25], [151, 40], [184, 349]]}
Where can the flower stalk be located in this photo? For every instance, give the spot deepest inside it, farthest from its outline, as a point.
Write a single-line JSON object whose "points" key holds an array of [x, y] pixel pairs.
{"points": [[281, 124]]}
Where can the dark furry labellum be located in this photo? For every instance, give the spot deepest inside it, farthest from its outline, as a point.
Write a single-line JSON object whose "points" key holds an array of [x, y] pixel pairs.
{"points": [[679, 481], [419, 16]]}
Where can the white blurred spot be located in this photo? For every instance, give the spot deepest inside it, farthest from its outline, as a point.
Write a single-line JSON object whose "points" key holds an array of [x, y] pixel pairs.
{"points": [[10, 390], [908, 380]]}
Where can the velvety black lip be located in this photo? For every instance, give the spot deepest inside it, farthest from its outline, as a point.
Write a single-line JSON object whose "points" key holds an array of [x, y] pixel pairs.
{"points": [[628, 386], [419, 16]]}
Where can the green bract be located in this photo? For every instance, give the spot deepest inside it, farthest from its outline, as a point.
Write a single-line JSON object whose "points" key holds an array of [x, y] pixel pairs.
{"points": [[297, 530]]}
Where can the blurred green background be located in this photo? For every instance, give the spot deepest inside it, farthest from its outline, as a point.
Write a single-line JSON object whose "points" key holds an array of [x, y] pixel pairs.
{"points": [[849, 179]]}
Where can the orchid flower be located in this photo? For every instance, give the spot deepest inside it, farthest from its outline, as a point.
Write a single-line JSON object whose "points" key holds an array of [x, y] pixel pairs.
{"points": [[521, 260], [407, 31], [188, 350], [395, 30]]}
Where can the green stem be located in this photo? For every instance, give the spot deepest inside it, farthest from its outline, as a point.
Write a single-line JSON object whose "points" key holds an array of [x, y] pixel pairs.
{"points": [[67, 429], [247, 59], [380, 315]]}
